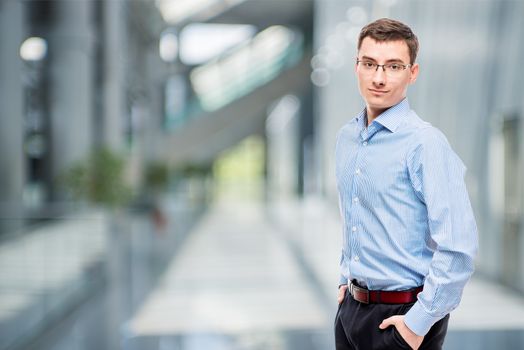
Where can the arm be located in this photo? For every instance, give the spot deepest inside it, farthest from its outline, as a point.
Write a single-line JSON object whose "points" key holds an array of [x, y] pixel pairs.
{"points": [[342, 280], [437, 176], [341, 292]]}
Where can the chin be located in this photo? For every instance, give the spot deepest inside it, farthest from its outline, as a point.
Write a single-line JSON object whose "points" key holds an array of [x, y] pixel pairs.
{"points": [[382, 101], [381, 105]]}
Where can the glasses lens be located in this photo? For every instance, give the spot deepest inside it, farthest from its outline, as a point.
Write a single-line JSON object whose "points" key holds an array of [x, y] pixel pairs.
{"points": [[392, 70], [395, 69]]}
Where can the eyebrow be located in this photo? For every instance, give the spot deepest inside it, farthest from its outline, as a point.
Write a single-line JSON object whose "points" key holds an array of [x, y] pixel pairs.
{"points": [[388, 61]]}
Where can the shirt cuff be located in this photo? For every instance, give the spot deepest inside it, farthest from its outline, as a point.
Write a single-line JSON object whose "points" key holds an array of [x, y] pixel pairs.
{"points": [[419, 321]]}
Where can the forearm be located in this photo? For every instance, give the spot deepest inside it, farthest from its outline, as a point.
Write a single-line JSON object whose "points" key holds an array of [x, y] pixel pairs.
{"points": [[449, 272]]}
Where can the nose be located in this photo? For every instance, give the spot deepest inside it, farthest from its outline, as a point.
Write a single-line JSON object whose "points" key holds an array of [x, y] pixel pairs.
{"points": [[379, 76]]}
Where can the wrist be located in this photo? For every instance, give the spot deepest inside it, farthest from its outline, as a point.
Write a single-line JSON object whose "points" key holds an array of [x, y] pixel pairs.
{"points": [[409, 329]]}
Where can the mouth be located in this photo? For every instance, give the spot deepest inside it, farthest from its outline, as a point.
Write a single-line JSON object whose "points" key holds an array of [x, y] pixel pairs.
{"points": [[377, 92]]}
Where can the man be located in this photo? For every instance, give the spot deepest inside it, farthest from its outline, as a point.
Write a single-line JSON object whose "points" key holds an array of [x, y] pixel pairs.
{"points": [[409, 234]]}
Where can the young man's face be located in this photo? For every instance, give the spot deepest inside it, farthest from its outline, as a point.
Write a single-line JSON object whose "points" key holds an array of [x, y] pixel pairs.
{"points": [[379, 89]]}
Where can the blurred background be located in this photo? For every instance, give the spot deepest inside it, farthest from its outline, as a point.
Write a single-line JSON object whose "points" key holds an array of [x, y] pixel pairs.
{"points": [[166, 166]]}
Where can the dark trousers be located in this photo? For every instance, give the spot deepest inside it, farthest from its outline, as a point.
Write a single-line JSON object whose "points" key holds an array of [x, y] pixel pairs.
{"points": [[356, 327]]}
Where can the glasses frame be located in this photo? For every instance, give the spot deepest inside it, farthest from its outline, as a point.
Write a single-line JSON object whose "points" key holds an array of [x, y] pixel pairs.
{"points": [[404, 66]]}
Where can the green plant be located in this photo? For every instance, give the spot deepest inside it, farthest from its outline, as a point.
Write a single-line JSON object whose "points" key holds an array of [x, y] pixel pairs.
{"points": [[156, 177], [194, 169], [99, 179]]}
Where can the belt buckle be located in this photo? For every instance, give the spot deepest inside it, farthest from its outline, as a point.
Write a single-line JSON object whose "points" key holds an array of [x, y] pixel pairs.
{"points": [[356, 289]]}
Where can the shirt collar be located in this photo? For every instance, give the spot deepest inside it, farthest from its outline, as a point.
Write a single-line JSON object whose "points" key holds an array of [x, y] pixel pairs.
{"points": [[391, 118]]}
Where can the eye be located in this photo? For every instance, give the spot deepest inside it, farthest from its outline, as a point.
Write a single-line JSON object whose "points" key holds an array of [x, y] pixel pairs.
{"points": [[395, 67], [368, 64]]}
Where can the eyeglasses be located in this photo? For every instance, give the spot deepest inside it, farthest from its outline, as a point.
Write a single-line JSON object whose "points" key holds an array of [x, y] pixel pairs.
{"points": [[391, 69]]}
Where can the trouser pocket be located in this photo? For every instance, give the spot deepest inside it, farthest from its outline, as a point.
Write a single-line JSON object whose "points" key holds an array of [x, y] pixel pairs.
{"points": [[398, 341]]}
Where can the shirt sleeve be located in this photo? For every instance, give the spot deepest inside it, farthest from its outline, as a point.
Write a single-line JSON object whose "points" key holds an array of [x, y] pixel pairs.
{"points": [[437, 176], [342, 279]]}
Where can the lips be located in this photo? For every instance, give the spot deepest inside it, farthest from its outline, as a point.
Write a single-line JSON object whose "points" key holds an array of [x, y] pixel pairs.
{"points": [[377, 92]]}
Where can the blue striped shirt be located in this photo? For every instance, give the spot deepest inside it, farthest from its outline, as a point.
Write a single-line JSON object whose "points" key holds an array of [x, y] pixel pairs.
{"points": [[407, 218]]}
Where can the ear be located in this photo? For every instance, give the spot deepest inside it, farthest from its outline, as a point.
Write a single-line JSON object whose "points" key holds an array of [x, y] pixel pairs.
{"points": [[414, 73]]}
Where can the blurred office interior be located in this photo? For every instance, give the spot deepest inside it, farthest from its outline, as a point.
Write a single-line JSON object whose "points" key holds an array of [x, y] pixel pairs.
{"points": [[167, 166]]}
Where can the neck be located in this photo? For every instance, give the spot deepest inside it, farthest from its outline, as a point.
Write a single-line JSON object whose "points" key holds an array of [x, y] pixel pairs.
{"points": [[372, 114]]}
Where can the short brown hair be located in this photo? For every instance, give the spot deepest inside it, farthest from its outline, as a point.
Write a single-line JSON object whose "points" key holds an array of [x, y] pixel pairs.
{"points": [[386, 29]]}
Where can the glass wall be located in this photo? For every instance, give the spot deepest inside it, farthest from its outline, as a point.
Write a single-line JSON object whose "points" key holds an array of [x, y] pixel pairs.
{"points": [[468, 87]]}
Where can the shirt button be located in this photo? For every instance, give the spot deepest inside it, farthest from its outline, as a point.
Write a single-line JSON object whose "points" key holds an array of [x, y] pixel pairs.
{"points": [[354, 229], [357, 171], [355, 199], [365, 143], [356, 258]]}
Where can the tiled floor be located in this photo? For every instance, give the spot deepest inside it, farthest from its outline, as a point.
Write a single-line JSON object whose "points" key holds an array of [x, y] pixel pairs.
{"points": [[253, 276], [234, 280], [45, 266]]}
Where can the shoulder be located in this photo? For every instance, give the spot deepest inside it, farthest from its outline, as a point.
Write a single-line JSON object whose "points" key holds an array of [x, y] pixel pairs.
{"points": [[429, 145], [347, 128], [423, 134], [346, 136], [349, 125]]}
